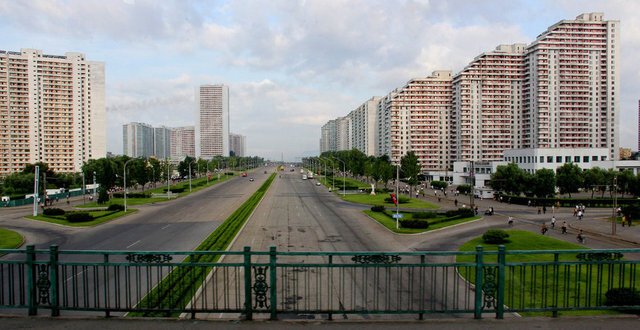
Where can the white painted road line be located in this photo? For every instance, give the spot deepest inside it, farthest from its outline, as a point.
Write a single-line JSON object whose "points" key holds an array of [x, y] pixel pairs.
{"points": [[134, 243], [166, 226]]}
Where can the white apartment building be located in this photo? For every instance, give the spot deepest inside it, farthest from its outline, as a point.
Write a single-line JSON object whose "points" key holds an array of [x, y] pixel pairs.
{"points": [[328, 137], [570, 96], [420, 115], [137, 140], [162, 142], [364, 128], [238, 144], [52, 110], [212, 121], [183, 141], [534, 159], [343, 133], [487, 105]]}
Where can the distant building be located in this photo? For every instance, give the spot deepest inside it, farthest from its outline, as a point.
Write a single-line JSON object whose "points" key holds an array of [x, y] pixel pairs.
{"points": [[238, 144], [328, 137], [625, 153], [183, 141], [137, 140], [162, 142], [212, 121], [52, 110]]}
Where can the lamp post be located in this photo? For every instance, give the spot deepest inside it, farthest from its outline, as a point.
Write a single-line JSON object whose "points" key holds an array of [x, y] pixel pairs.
{"points": [[125, 183], [397, 196], [94, 186], [35, 190], [84, 192], [190, 175], [615, 200], [344, 177], [168, 179]]}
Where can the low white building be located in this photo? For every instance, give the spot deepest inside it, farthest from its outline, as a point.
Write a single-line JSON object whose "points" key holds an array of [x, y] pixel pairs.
{"points": [[532, 160]]}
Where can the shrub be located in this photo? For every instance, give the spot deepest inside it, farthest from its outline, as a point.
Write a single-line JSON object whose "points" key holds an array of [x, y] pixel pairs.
{"points": [[460, 213], [438, 184], [115, 207], [173, 190], [414, 223], [424, 215], [464, 189], [79, 217], [103, 196], [495, 236], [377, 208], [53, 211], [133, 195], [622, 297]]}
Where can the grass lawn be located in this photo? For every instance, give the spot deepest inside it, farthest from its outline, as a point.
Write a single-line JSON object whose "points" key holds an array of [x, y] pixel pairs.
{"points": [[533, 286], [379, 200], [10, 239], [196, 185], [100, 217], [390, 222]]}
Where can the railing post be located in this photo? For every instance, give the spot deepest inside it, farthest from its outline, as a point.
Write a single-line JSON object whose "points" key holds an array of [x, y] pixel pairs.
{"points": [[273, 280], [31, 283], [478, 300], [53, 278], [247, 283], [501, 272], [555, 283]]}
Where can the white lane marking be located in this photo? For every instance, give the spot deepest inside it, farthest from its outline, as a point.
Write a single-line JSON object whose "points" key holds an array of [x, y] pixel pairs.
{"points": [[165, 226], [134, 243]]}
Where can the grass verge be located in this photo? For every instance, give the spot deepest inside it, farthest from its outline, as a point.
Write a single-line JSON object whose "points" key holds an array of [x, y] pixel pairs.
{"points": [[379, 199], [196, 185], [10, 239], [100, 216], [176, 289], [533, 286], [390, 222]]}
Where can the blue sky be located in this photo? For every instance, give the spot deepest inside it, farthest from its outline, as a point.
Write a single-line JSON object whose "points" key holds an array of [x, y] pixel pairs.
{"points": [[291, 65]]}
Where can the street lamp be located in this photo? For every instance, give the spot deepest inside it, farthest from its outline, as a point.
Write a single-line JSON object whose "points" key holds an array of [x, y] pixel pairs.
{"points": [[94, 186], [125, 183], [84, 192], [190, 174], [344, 177], [35, 190], [397, 196]]}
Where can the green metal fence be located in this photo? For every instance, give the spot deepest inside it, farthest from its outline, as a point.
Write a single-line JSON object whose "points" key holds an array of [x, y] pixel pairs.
{"points": [[272, 284]]}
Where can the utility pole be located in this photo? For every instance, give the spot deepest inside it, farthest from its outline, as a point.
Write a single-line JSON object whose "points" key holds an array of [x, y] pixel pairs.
{"points": [[471, 177], [35, 191], [615, 200]]}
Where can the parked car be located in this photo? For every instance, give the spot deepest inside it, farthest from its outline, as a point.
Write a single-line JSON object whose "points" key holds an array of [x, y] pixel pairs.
{"points": [[250, 179], [244, 174]]}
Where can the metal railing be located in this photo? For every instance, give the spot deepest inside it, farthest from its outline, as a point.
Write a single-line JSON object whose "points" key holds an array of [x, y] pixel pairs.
{"points": [[272, 283]]}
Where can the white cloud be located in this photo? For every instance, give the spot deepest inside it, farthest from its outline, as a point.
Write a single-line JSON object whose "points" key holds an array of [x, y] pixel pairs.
{"points": [[291, 65]]}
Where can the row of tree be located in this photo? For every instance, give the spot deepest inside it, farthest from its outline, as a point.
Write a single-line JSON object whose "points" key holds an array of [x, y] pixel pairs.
{"points": [[109, 173], [568, 178], [369, 168]]}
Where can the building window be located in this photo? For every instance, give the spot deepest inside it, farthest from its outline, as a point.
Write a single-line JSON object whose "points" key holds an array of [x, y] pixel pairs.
{"points": [[585, 159], [558, 159], [549, 159], [603, 157], [594, 158], [567, 159], [541, 159], [576, 159]]}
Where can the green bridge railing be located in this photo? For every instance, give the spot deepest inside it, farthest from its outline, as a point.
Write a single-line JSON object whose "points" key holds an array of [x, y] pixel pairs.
{"points": [[272, 283]]}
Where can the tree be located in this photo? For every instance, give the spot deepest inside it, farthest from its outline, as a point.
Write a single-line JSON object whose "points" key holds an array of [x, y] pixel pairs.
{"points": [[106, 170], [139, 172], [508, 178], [183, 167], [592, 178], [569, 178], [386, 169], [625, 181], [544, 183], [410, 169]]}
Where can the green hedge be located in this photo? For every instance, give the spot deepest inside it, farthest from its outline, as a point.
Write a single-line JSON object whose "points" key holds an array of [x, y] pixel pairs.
{"points": [[79, 217], [414, 223], [177, 288], [53, 211], [131, 195], [567, 202]]}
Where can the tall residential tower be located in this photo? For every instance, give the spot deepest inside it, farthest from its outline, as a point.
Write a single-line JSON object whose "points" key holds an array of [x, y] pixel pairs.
{"points": [[52, 110], [212, 121]]}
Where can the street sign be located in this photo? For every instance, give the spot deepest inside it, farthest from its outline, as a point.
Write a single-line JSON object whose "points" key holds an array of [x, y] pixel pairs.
{"points": [[397, 215]]}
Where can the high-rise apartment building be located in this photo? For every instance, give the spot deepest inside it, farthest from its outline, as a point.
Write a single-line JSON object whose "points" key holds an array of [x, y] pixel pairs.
{"points": [[52, 110], [237, 144], [137, 140], [183, 141], [212, 121], [162, 142], [419, 116], [557, 92], [487, 105], [328, 137], [364, 128], [569, 92], [343, 133]]}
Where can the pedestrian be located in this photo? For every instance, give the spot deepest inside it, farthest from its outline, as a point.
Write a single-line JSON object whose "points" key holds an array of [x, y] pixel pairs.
{"points": [[67, 198], [475, 209], [579, 215], [455, 202], [544, 229], [544, 209], [510, 221], [56, 199], [564, 227], [580, 238], [539, 210], [624, 220], [553, 222]]}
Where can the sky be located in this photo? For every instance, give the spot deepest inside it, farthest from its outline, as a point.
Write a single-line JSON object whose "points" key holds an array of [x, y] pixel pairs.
{"points": [[290, 65]]}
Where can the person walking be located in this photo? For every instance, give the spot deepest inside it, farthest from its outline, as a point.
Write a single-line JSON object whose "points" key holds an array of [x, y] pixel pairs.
{"points": [[455, 202], [553, 222], [564, 227], [580, 238], [544, 229], [510, 221]]}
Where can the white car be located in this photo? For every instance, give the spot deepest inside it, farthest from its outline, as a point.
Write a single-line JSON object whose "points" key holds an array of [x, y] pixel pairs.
{"points": [[318, 183]]}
